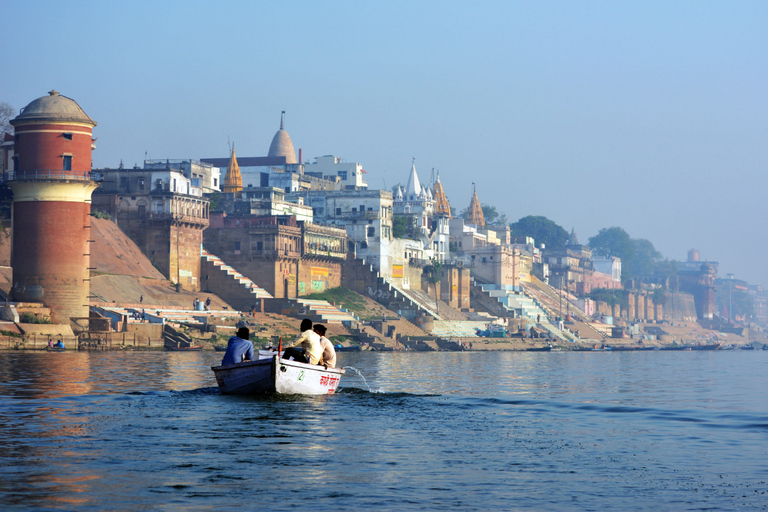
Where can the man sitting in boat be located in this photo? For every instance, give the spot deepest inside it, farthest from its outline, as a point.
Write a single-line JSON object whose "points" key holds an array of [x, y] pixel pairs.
{"points": [[311, 351], [59, 344], [329, 354], [239, 348]]}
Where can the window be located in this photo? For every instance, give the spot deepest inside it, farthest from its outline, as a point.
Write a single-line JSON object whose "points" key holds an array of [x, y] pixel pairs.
{"points": [[362, 207], [67, 136], [338, 211], [259, 246], [216, 182], [142, 211], [141, 183], [67, 162], [237, 247], [371, 231]]}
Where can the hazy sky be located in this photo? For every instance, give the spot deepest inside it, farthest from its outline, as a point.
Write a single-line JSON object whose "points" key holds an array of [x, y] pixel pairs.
{"points": [[651, 116]]}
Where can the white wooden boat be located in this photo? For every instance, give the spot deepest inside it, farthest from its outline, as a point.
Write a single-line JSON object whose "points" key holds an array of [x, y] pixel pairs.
{"points": [[276, 375]]}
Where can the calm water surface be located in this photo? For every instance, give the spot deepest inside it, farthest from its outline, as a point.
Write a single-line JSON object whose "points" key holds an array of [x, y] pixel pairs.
{"points": [[464, 431]]}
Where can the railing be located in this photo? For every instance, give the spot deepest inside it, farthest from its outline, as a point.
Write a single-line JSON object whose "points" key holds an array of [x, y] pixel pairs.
{"points": [[368, 215], [51, 175], [333, 253]]}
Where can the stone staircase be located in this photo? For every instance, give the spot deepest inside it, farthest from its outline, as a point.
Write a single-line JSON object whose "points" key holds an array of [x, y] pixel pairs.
{"points": [[551, 300], [229, 284], [514, 299], [175, 339], [329, 313], [457, 328]]}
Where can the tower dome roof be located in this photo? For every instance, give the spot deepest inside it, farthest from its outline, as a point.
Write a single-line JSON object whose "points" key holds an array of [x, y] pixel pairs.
{"points": [[282, 144], [53, 108]]}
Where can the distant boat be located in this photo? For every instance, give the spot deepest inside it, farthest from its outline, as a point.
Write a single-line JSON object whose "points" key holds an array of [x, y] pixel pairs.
{"points": [[276, 375], [191, 348], [713, 346], [220, 348], [55, 349], [351, 348], [539, 349]]}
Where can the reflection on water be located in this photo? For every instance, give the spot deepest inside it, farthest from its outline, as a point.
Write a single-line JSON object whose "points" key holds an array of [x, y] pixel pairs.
{"points": [[469, 431]]}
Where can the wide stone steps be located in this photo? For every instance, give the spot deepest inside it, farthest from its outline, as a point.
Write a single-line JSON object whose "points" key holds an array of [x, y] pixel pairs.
{"points": [[515, 299], [417, 296], [457, 329], [328, 312], [245, 282]]}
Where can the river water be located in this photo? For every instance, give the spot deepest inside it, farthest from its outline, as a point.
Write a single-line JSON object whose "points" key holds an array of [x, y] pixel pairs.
{"points": [[462, 431]]}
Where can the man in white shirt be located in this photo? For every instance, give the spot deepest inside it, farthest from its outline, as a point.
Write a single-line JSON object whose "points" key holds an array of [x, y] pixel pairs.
{"points": [[329, 353], [311, 351]]}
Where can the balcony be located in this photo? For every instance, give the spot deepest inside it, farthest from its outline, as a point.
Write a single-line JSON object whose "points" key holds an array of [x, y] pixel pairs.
{"points": [[46, 175], [367, 215]]}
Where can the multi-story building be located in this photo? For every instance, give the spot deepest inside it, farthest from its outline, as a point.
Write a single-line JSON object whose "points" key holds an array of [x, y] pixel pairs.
{"points": [[163, 213], [571, 267], [365, 214], [286, 257], [419, 206], [201, 174], [333, 168]]}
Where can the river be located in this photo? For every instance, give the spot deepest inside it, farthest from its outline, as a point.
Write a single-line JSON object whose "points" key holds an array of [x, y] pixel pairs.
{"points": [[429, 431]]}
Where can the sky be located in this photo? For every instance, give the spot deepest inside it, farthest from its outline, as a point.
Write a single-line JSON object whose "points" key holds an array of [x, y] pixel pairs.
{"points": [[650, 116]]}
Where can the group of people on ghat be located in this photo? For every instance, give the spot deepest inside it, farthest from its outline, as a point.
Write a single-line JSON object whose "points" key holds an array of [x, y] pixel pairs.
{"points": [[311, 347]]}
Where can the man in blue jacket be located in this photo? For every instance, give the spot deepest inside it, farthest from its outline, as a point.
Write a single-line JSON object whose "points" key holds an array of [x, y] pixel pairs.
{"points": [[239, 348]]}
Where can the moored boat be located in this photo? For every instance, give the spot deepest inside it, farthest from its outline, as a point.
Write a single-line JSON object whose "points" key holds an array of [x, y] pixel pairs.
{"points": [[276, 375], [351, 348], [539, 349], [713, 346], [191, 348]]}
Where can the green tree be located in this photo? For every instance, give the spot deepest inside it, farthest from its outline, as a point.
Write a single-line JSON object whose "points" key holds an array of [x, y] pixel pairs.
{"points": [[612, 242], [638, 256], [660, 295], [644, 257], [399, 226], [542, 230], [610, 297]]}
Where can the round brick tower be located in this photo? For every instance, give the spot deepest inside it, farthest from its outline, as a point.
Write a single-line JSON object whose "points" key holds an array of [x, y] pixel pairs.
{"points": [[52, 189]]}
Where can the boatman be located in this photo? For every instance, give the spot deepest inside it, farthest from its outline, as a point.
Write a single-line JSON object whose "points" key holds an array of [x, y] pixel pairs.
{"points": [[311, 351], [239, 348], [329, 354]]}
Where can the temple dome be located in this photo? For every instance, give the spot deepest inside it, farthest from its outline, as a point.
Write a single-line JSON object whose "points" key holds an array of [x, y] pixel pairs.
{"points": [[53, 108], [282, 145]]}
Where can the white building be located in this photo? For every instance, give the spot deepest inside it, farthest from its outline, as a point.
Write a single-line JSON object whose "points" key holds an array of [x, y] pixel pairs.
{"points": [[610, 266], [366, 215], [329, 167], [419, 205], [203, 175], [270, 201]]}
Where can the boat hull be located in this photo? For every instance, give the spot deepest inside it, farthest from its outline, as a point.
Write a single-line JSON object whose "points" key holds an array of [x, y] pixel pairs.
{"points": [[276, 375]]}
